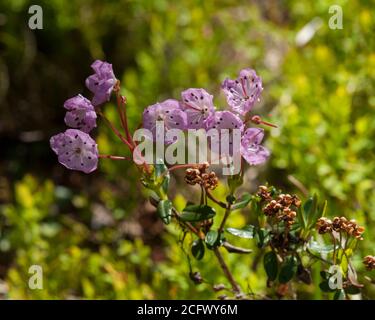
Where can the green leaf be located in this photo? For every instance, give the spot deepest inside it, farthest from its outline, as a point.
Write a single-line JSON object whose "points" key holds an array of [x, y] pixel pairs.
{"points": [[324, 275], [352, 290], [339, 295], [247, 232], [212, 238], [320, 247], [234, 181], [270, 265], [262, 237], [288, 269], [161, 169], [301, 218], [243, 202], [165, 211], [324, 286], [197, 249], [310, 211], [194, 213]]}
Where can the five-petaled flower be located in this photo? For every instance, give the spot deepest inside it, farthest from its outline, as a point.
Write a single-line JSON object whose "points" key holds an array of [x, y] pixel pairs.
{"points": [[251, 149], [169, 112], [76, 150], [102, 82], [225, 122], [81, 114], [243, 92], [199, 108]]}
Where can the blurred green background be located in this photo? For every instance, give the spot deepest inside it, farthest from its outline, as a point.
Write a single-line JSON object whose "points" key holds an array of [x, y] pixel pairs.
{"points": [[95, 235]]}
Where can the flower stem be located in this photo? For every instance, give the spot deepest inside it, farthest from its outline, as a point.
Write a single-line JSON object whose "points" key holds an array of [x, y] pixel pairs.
{"points": [[236, 288], [108, 156], [226, 215], [121, 105], [220, 203], [115, 131]]}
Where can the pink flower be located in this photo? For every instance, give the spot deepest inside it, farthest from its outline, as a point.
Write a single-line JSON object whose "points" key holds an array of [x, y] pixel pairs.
{"points": [[243, 92], [76, 150]]}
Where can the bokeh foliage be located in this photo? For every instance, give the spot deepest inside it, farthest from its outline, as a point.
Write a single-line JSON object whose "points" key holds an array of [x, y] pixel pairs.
{"points": [[96, 236]]}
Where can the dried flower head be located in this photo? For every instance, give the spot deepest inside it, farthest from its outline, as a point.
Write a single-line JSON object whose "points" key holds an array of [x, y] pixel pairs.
{"points": [[340, 224], [198, 175], [263, 193], [324, 225], [369, 262], [281, 207]]}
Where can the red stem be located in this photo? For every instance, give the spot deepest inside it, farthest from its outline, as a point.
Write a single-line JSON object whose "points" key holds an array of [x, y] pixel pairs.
{"points": [[108, 156]]}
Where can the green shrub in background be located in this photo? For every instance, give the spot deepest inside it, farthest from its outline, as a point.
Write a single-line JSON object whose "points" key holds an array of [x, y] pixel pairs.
{"points": [[321, 96]]}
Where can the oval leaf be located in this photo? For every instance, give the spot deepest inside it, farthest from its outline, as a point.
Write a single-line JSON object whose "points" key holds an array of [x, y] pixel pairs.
{"points": [[161, 169], [194, 213], [243, 202], [197, 249], [339, 295], [270, 265], [320, 247], [165, 211], [247, 232], [212, 238], [288, 269]]}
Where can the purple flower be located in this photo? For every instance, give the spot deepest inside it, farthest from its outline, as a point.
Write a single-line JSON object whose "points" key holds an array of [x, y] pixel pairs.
{"points": [[102, 82], [225, 120], [76, 150], [251, 150], [199, 108], [81, 114], [168, 111], [243, 92]]}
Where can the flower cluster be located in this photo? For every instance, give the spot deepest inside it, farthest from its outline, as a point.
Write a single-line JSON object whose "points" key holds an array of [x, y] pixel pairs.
{"points": [[196, 110], [282, 207], [369, 262], [75, 148], [340, 224], [198, 175]]}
